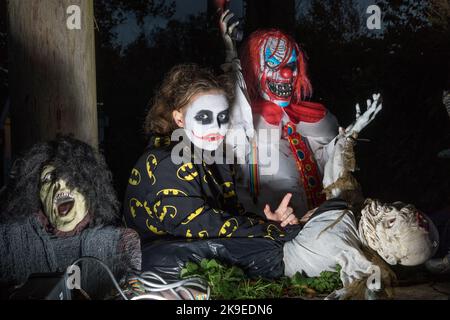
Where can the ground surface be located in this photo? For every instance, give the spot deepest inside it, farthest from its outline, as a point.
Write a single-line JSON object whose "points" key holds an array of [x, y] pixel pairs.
{"points": [[426, 291]]}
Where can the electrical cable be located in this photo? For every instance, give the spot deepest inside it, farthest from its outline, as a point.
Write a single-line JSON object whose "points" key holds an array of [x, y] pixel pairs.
{"points": [[108, 270], [150, 282]]}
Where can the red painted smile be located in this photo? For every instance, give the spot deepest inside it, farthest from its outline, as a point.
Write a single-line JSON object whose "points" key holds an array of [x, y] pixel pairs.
{"points": [[210, 137]]}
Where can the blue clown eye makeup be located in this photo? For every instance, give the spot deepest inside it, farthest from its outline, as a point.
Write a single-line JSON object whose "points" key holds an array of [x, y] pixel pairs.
{"points": [[293, 59], [271, 60]]}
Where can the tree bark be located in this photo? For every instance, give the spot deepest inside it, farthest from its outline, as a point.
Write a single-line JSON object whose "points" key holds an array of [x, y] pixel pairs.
{"points": [[278, 14], [52, 72]]}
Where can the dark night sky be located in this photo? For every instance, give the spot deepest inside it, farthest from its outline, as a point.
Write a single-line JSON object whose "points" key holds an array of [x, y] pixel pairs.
{"points": [[128, 31]]}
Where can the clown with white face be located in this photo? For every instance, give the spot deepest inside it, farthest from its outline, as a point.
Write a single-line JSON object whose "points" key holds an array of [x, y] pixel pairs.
{"points": [[272, 73], [278, 71], [206, 120]]}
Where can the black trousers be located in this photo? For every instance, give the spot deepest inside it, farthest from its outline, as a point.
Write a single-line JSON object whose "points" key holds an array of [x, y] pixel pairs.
{"points": [[256, 256]]}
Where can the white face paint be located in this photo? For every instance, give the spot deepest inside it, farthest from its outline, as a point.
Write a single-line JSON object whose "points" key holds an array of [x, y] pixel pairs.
{"points": [[207, 121], [399, 233]]}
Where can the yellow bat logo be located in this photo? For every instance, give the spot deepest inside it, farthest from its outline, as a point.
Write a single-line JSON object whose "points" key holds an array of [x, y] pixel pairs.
{"points": [[188, 234], [228, 190], [134, 205], [147, 209], [203, 234], [161, 142], [171, 192], [193, 215], [187, 172], [228, 228], [155, 230], [273, 231], [135, 177], [161, 213], [151, 164], [166, 209]]}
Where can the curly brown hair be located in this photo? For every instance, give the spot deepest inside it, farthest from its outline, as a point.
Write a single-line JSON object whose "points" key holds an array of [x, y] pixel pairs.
{"points": [[179, 86]]}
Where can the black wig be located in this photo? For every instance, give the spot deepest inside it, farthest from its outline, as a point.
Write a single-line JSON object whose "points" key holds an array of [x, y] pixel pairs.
{"points": [[76, 162]]}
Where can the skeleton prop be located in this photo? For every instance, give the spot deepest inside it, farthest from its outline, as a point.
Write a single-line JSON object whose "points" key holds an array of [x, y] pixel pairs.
{"points": [[387, 234], [290, 139]]}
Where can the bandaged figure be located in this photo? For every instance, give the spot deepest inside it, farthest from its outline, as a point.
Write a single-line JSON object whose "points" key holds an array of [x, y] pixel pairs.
{"points": [[363, 238], [58, 207]]}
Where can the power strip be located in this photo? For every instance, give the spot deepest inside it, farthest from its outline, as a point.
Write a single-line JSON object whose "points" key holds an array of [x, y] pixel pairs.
{"points": [[43, 286]]}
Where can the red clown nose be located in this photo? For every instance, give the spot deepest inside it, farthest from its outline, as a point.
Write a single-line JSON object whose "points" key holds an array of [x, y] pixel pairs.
{"points": [[286, 72]]}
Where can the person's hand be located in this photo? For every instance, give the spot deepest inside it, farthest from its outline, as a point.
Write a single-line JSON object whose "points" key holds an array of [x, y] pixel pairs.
{"points": [[373, 107], [226, 32], [283, 214]]}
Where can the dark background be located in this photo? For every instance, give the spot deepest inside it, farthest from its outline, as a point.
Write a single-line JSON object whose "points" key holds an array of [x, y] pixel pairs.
{"points": [[407, 61]]}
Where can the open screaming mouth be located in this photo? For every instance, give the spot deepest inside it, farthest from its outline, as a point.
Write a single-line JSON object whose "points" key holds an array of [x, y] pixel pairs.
{"points": [[64, 202], [210, 137], [282, 90]]}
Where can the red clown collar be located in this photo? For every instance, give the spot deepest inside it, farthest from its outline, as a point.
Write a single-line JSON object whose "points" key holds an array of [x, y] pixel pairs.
{"points": [[304, 111]]}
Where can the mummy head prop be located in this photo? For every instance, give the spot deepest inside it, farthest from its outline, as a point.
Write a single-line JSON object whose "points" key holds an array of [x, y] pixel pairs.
{"points": [[398, 232]]}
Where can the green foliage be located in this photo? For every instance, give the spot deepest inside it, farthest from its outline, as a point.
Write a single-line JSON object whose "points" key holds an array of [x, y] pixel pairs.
{"points": [[232, 283]]}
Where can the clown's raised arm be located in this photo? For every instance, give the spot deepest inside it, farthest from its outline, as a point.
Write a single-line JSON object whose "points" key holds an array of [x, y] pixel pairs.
{"points": [[241, 113], [292, 138]]}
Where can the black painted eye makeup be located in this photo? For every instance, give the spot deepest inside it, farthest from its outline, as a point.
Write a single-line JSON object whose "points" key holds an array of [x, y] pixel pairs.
{"points": [[204, 117], [223, 117]]}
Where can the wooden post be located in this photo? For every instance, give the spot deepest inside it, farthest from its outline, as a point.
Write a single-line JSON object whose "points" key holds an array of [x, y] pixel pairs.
{"points": [[52, 72]]}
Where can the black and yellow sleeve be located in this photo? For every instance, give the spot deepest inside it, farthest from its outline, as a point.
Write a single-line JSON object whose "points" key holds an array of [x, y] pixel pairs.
{"points": [[180, 207]]}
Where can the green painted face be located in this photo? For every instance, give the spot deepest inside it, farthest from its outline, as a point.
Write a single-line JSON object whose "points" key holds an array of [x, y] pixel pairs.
{"points": [[64, 208]]}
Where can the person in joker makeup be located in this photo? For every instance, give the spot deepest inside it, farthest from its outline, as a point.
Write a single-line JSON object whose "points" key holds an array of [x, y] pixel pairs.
{"points": [[191, 199], [206, 128], [271, 74]]}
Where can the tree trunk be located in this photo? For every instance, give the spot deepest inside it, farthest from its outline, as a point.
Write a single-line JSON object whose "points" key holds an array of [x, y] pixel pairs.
{"points": [[52, 72], [278, 14]]}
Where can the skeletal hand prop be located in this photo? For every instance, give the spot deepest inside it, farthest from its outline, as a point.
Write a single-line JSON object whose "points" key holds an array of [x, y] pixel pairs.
{"points": [[226, 31], [361, 121], [338, 179]]}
